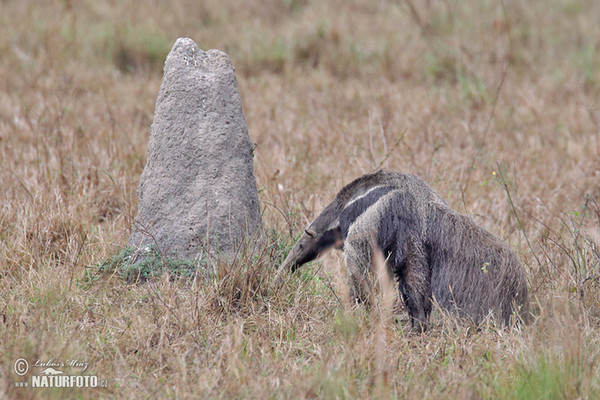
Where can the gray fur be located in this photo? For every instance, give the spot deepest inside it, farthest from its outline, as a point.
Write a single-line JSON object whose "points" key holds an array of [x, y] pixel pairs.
{"points": [[434, 252]]}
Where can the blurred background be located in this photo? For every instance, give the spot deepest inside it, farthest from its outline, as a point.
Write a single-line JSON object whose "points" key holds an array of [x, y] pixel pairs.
{"points": [[494, 103]]}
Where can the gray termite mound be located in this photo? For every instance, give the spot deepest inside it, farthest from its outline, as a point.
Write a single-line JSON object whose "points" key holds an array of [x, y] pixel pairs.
{"points": [[197, 190], [432, 251]]}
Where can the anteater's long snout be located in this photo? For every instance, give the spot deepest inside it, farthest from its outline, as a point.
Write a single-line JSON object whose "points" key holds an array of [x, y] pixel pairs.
{"points": [[288, 265], [309, 247], [304, 250]]}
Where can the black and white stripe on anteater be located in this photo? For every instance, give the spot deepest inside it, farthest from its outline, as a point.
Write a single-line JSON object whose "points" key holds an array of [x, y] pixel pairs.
{"points": [[433, 251]]}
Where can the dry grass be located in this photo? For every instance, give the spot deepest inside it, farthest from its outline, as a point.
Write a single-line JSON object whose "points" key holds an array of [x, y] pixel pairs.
{"points": [[494, 103]]}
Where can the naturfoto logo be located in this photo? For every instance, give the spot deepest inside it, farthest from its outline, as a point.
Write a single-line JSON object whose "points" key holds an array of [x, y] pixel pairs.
{"points": [[51, 374]]}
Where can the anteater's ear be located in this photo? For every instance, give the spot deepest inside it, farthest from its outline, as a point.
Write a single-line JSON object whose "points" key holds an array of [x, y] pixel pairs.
{"points": [[331, 238], [309, 233]]}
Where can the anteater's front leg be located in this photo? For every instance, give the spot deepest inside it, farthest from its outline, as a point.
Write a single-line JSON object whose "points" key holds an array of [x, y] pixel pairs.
{"points": [[358, 258], [414, 282]]}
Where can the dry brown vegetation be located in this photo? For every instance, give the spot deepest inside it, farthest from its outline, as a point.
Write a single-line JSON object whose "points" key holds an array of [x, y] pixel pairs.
{"points": [[494, 103]]}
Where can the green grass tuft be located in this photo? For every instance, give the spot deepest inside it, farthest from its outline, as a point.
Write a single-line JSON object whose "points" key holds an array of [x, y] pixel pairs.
{"points": [[147, 264]]}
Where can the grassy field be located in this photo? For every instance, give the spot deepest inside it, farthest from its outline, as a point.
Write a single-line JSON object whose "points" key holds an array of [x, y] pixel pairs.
{"points": [[495, 104]]}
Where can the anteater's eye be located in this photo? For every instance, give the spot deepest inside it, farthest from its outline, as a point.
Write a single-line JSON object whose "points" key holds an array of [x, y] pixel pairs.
{"points": [[309, 233]]}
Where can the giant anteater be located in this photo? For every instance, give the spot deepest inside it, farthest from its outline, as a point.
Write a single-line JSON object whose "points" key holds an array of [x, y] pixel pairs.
{"points": [[435, 253]]}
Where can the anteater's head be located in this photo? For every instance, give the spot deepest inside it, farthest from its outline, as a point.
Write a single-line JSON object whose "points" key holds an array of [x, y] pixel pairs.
{"points": [[312, 245], [330, 228]]}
